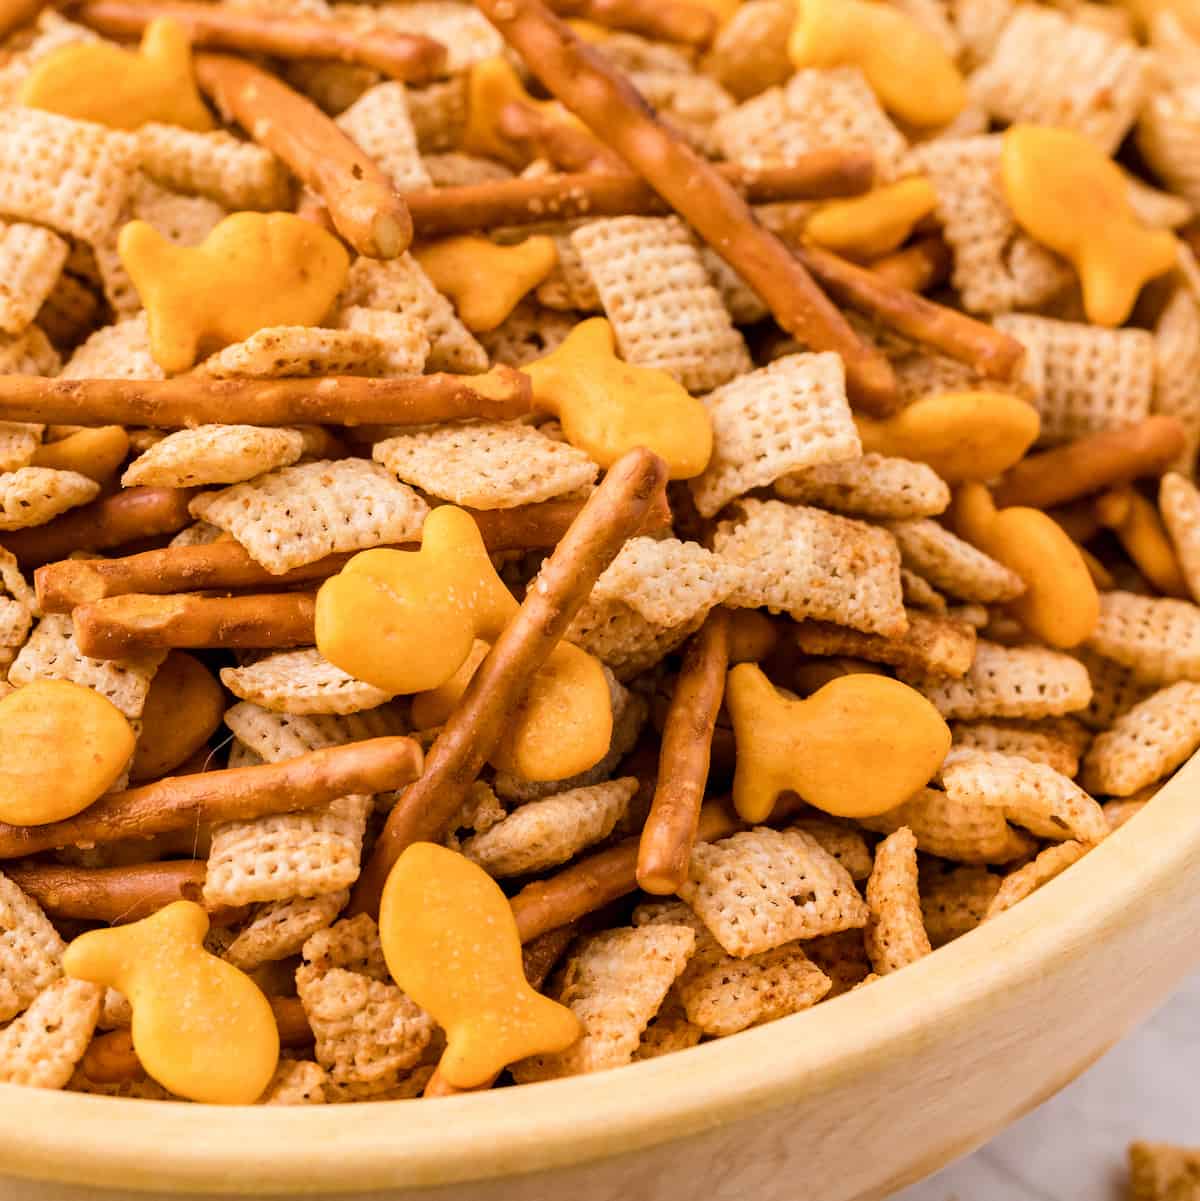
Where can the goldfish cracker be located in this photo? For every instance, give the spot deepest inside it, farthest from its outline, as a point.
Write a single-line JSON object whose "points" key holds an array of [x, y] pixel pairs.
{"points": [[96, 453], [859, 746], [961, 435], [906, 66], [483, 279], [184, 708], [1060, 604], [874, 224], [1067, 194], [1140, 530], [201, 1027], [253, 271], [98, 81], [61, 747], [607, 406], [451, 943]]}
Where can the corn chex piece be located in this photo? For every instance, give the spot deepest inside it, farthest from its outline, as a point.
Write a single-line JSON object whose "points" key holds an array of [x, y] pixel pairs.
{"points": [[954, 900], [352, 944], [762, 888], [1147, 743], [480, 812], [439, 114], [118, 351], [1025, 881], [279, 929], [17, 603], [1032, 795], [1177, 370], [669, 1030], [298, 350], [932, 645], [818, 108], [214, 454], [546, 833], [409, 1085], [569, 287], [32, 496], [300, 514], [18, 442], [296, 1082], [843, 959], [809, 563], [1158, 638], [237, 175], [623, 640], [895, 934], [1095, 83], [614, 982], [199, 533], [400, 286], [468, 36], [1168, 135], [1162, 1172], [30, 950], [403, 345], [720, 994], [919, 593], [31, 259], [276, 736], [28, 353], [1095, 379], [784, 417], [41, 1047], [456, 170], [1117, 813], [657, 294], [1115, 690], [996, 267], [841, 840], [1179, 502], [379, 124], [301, 682], [952, 565], [921, 372], [52, 653], [1036, 741], [528, 333], [872, 486]]}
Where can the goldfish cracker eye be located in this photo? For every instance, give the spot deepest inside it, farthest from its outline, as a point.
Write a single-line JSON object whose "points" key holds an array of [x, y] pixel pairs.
{"points": [[818, 747], [61, 746], [873, 224]]}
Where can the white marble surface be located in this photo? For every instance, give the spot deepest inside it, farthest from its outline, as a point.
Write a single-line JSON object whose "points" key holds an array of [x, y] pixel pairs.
{"points": [[1073, 1147]]}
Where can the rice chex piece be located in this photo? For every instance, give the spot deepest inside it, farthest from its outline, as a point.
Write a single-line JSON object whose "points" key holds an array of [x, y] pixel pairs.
{"points": [[953, 565], [379, 124], [352, 944], [237, 175], [1147, 743], [528, 333], [784, 417], [403, 344], [919, 593], [439, 114], [743, 302], [720, 994], [298, 350], [41, 1047], [1115, 689], [954, 900], [28, 353], [932, 644], [279, 930], [17, 603], [31, 259], [1179, 503], [922, 372], [657, 294], [19, 441], [468, 36], [214, 454], [669, 1030], [687, 101], [1162, 1172], [487, 465], [117, 351], [569, 287], [1168, 136], [895, 934], [546, 833], [30, 950], [1095, 379], [1032, 795], [199, 533], [1025, 881], [1036, 741], [841, 840], [32, 496], [872, 486], [300, 514], [762, 888], [809, 563], [623, 640], [276, 736], [301, 682], [843, 959], [457, 170], [296, 1082], [52, 653], [1158, 638], [614, 983]]}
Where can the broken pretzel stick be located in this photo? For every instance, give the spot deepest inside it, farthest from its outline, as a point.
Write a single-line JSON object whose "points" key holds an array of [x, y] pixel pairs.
{"points": [[366, 209], [234, 794], [819, 175], [662, 20], [916, 267], [670, 830], [408, 57], [1092, 463], [610, 516], [496, 395], [617, 114]]}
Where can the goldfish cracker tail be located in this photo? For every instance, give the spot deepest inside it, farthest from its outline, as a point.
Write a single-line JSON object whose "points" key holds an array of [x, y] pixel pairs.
{"points": [[754, 791], [972, 510]]}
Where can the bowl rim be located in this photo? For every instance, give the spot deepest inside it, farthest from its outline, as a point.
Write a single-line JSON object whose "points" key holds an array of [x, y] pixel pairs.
{"points": [[173, 1147]]}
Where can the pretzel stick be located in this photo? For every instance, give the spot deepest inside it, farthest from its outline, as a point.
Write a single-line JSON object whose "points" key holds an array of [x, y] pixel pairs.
{"points": [[670, 829], [436, 212], [1091, 463], [663, 20], [366, 209], [611, 515], [409, 57], [536, 133], [235, 794], [131, 514], [15, 13], [614, 111], [916, 267], [990, 352]]}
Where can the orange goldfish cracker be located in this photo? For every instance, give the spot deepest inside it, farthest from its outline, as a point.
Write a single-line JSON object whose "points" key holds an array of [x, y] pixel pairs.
{"points": [[1140, 530], [875, 224], [183, 709], [96, 453]]}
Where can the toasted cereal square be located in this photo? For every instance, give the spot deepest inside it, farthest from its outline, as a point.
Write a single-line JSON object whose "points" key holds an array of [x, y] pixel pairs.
{"points": [[1148, 742], [743, 302], [17, 603], [872, 486], [1168, 136], [528, 333], [18, 442], [809, 563], [614, 982], [687, 101], [841, 840], [623, 640], [1158, 638], [1179, 503], [669, 1030], [920, 372], [787, 416], [932, 644], [486, 465], [33, 496], [403, 343], [439, 114], [41, 1047], [298, 350], [300, 514], [1115, 689], [1177, 370], [1037, 741], [214, 454], [843, 959], [1161, 1172], [276, 736], [301, 682], [454, 169], [296, 1082], [468, 36], [1025, 881], [954, 900], [657, 294], [409, 1085], [895, 934], [30, 950], [118, 351], [279, 929], [31, 259], [70, 312], [952, 565], [28, 353], [762, 888], [543, 834], [199, 533], [52, 653], [352, 944], [379, 124], [569, 287], [140, 1088]]}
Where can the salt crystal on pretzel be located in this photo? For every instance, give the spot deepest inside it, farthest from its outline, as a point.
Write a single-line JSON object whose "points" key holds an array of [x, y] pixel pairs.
{"points": [[41, 1047], [1177, 369], [379, 123], [1158, 638], [280, 929], [932, 645], [300, 350], [953, 565], [871, 486], [31, 259], [1018, 885], [895, 933], [214, 454], [301, 682], [1035, 741], [30, 950]]}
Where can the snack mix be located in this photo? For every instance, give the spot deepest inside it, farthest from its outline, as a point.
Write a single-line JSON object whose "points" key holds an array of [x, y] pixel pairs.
{"points": [[537, 533]]}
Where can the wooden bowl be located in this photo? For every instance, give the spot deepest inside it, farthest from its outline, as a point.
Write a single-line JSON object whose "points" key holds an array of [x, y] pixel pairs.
{"points": [[853, 1099]]}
